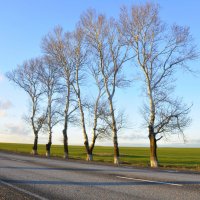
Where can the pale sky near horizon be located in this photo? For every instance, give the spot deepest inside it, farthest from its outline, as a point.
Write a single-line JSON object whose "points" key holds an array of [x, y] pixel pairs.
{"points": [[23, 23]]}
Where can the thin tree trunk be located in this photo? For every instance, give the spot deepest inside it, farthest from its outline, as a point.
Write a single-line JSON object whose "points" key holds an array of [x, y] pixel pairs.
{"points": [[48, 145], [153, 148], [65, 137], [152, 137], [86, 143], [49, 122], [93, 142], [35, 145], [114, 127], [65, 143], [116, 150], [95, 124], [115, 139]]}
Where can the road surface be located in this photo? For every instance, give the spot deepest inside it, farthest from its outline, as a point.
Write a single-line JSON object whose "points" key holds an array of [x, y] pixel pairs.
{"points": [[27, 177]]}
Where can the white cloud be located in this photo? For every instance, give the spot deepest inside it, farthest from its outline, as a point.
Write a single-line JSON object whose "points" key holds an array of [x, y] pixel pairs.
{"points": [[1, 77], [16, 129], [2, 113], [194, 141], [4, 107]]}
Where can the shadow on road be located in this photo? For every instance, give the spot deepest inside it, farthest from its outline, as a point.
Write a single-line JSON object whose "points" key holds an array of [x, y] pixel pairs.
{"points": [[127, 183]]}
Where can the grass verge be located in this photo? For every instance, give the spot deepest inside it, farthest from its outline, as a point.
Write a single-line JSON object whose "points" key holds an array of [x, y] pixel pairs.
{"points": [[177, 158]]}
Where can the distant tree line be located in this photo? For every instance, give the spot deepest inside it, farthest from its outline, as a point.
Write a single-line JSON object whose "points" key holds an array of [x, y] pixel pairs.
{"points": [[96, 53]]}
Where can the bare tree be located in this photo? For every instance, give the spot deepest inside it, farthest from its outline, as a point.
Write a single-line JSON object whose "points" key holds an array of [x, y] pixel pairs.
{"points": [[57, 46], [98, 109], [49, 75], [26, 76], [79, 58], [110, 54], [160, 51], [71, 55]]}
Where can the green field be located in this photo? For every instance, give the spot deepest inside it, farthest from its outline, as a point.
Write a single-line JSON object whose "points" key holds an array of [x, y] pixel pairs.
{"points": [[186, 158]]}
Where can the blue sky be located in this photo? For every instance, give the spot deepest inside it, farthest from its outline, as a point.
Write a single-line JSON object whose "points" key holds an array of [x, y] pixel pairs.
{"points": [[23, 23]]}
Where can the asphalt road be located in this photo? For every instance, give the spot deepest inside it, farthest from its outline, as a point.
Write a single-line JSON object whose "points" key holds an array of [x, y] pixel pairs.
{"points": [[26, 177]]}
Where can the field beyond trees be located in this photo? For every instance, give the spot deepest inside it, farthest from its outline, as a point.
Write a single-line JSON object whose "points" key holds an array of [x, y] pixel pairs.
{"points": [[179, 158]]}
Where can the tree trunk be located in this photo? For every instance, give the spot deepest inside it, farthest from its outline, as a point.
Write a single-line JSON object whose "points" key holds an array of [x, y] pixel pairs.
{"points": [[65, 143], [86, 143], [90, 157], [34, 149], [48, 145], [93, 143], [48, 148], [153, 148], [116, 150], [115, 139], [65, 137], [89, 153]]}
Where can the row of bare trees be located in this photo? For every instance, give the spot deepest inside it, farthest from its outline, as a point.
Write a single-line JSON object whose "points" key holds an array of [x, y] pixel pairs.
{"points": [[97, 52]]}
